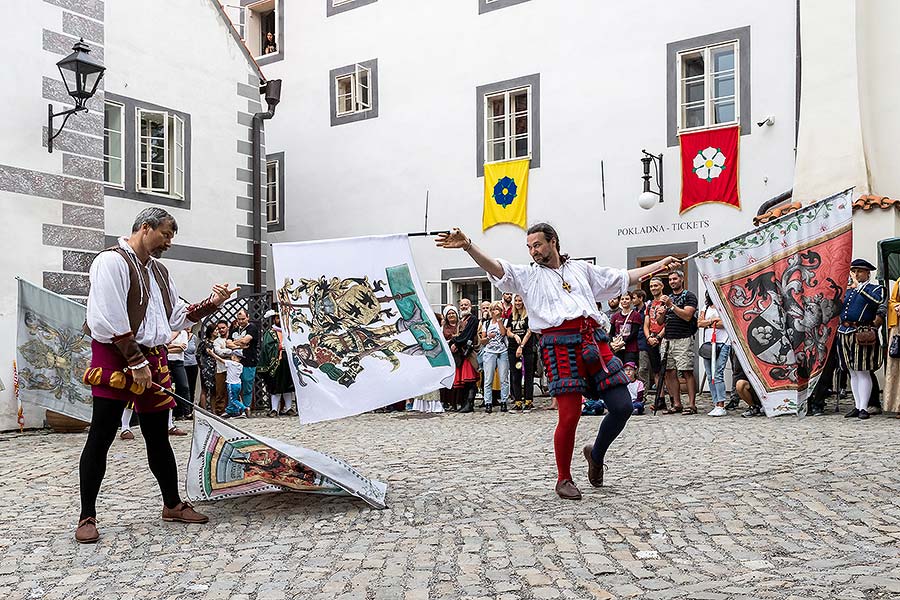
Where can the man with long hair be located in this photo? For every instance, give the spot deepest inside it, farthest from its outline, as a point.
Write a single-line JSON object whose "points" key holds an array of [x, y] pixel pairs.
{"points": [[562, 295]]}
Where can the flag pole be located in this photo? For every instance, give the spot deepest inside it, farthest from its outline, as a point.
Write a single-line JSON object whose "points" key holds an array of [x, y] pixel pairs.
{"points": [[426, 233], [728, 241]]}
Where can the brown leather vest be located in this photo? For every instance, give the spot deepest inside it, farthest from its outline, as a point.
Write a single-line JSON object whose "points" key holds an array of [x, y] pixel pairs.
{"points": [[137, 308]]}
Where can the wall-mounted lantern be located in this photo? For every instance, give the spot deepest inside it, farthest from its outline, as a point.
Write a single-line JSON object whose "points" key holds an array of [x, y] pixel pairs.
{"points": [[81, 74], [647, 199]]}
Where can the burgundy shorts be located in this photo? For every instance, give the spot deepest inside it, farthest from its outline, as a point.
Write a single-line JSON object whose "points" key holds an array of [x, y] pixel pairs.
{"points": [[108, 378]]}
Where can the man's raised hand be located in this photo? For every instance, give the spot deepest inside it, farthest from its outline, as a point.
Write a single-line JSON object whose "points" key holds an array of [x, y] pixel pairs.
{"points": [[221, 293], [454, 239]]}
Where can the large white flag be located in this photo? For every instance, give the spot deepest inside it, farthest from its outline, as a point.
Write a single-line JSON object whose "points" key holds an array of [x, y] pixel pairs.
{"points": [[357, 325], [227, 462]]}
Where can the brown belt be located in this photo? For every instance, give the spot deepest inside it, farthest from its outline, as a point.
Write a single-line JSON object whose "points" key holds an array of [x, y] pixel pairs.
{"points": [[855, 324]]}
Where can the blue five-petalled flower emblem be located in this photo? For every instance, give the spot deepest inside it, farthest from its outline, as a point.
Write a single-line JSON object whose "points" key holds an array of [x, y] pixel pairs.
{"points": [[505, 191]]}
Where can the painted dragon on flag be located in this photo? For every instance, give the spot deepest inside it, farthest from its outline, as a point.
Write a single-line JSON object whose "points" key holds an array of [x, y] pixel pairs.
{"points": [[781, 287], [358, 326]]}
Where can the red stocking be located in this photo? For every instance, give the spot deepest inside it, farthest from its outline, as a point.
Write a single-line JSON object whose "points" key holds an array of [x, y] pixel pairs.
{"points": [[564, 437]]}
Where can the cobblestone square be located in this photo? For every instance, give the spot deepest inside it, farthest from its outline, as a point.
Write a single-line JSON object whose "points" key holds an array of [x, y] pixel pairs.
{"points": [[694, 507]]}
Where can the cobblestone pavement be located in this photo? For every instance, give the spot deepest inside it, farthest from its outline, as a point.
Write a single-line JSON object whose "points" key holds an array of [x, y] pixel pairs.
{"points": [[695, 507]]}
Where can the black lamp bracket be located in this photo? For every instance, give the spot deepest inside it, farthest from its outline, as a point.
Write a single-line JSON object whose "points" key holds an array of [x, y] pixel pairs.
{"points": [[51, 115]]}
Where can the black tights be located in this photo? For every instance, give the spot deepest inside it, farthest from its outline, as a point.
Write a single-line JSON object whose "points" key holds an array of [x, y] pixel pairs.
{"points": [[105, 421], [618, 403]]}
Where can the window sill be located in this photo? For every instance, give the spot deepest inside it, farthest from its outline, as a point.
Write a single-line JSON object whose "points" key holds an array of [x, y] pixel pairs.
{"points": [[710, 128]]}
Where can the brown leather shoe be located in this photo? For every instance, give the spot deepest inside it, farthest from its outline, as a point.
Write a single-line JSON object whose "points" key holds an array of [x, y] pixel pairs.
{"points": [[183, 513], [87, 531], [567, 491], [126, 435], [595, 470], [176, 431]]}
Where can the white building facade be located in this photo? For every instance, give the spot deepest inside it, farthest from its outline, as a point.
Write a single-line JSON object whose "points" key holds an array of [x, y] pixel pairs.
{"points": [[188, 98], [393, 100]]}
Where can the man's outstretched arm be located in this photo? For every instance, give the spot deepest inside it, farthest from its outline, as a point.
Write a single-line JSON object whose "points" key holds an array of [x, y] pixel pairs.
{"points": [[457, 239]]}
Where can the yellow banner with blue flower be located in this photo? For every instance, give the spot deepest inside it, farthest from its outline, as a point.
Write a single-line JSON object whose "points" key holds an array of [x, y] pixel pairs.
{"points": [[505, 193]]}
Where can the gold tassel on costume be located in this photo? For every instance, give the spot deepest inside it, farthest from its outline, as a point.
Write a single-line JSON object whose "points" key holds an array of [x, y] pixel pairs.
{"points": [[92, 376], [136, 388], [117, 380]]}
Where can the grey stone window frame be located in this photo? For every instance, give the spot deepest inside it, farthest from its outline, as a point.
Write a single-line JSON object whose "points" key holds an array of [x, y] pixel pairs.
{"points": [[129, 139], [372, 113], [742, 36], [485, 6], [331, 9], [279, 224], [267, 59], [492, 88]]}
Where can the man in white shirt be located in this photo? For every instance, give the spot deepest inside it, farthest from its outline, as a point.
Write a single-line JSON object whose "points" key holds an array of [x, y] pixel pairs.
{"points": [[132, 310], [562, 295]]}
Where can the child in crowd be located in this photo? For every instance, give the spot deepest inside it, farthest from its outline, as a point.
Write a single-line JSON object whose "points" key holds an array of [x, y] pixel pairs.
{"points": [[233, 370], [636, 388]]}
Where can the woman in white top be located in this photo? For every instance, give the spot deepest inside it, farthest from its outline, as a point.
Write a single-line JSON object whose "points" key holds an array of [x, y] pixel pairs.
{"points": [[496, 357], [716, 345]]}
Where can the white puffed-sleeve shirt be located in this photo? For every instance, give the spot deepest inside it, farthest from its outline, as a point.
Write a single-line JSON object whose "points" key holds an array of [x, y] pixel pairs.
{"points": [[548, 304], [107, 312]]}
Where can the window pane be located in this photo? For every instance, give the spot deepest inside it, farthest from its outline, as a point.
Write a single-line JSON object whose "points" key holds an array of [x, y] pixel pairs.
{"points": [[723, 59], [145, 174], [521, 125], [693, 117], [692, 65], [344, 85], [158, 180], [496, 106], [520, 101], [724, 111], [693, 90], [723, 86], [112, 170], [498, 129], [112, 117], [496, 151], [521, 146]]}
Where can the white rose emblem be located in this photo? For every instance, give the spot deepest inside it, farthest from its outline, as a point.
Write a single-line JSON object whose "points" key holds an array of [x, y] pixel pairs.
{"points": [[709, 163]]}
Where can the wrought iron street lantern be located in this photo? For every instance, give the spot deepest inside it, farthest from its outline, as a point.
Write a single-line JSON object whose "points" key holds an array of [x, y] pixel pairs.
{"points": [[81, 75]]}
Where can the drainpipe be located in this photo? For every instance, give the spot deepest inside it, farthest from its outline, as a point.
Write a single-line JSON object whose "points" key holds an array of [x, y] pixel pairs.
{"points": [[272, 91]]}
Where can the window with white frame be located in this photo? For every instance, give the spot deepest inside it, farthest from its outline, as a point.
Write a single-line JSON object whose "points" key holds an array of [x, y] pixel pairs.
{"points": [[113, 143], [160, 157], [352, 91], [273, 213], [507, 125], [708, 86], [261, 27]]}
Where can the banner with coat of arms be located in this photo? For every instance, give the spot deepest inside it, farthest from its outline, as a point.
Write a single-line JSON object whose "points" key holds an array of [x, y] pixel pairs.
{"points": [[357, 325], [709, 167], [228, 462], [781, 288], [52, 352]]}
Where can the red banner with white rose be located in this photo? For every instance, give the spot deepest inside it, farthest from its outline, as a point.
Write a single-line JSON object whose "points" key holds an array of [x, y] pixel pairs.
{"points": [[781, 288], [709, 167]]}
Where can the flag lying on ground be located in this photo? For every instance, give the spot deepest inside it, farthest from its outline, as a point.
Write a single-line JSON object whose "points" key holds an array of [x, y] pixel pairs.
{"points": [[227, 462], [781, 288], [709, 167], [505, 193], [358, 326], [52, 352]]}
